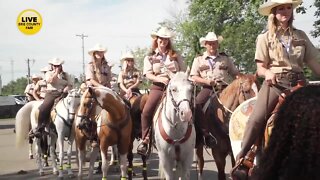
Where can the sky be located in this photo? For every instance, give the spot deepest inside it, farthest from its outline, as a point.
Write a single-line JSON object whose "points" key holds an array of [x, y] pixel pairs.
{"points": [[119, 25]]}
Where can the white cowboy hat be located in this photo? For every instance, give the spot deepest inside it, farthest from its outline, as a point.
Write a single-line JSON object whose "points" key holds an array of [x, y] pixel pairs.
{"points": [[163, 32], [265, 8], [97, 47], [127, 55], [56, 61], [211, 36], [34, 76], [44, 69]]}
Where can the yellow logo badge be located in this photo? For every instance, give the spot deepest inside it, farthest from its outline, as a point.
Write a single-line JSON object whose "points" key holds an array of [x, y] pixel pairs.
{"points": [[29, 22]]}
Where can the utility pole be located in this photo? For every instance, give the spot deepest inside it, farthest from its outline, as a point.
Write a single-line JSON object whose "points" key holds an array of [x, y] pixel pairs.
{"points": [[83, 65], [28, 76]]}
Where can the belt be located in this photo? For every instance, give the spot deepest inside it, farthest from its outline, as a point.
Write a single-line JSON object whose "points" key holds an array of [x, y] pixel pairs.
{"points": [[217, 87], [159, 84], [291, 76]]}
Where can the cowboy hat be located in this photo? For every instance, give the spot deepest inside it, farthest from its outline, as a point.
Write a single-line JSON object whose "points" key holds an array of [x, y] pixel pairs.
{"points": [[97, 47], [56, 61], [127, 55], [265, 8], [163, 32], [211, 36], [44, 69], [34, 76]]}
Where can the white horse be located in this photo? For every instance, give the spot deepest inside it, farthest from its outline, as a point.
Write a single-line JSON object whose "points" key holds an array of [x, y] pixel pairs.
{"points": [[65, 114], [174, 130], [24, 119]]}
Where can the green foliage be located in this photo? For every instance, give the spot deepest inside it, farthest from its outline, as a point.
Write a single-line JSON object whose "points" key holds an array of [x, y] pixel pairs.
{"points": [[316, 32], [16, 87], [236, 20]]}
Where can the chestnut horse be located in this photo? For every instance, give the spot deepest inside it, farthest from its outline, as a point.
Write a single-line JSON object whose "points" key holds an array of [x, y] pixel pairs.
{"points": [[219, 109], [113, 125]]}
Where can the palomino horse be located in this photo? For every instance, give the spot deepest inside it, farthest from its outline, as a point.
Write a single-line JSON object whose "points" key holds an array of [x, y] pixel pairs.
{"points": [[23, 122], [220, 107], [114, 126], [63, 120], [174, 131]]}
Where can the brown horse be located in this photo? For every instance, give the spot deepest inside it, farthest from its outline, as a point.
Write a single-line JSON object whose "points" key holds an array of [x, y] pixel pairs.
{"points": [[137, 103], [220, 106], [113, 126]]}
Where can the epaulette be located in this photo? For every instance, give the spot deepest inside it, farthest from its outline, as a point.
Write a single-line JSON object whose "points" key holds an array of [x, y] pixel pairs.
{"points": [[223, 54]]}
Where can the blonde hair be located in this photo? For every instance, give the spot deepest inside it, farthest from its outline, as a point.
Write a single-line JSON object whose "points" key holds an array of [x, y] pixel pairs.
{"points": [[273, 29]]}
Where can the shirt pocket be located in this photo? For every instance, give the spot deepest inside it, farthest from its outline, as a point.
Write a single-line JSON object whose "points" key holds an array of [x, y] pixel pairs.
{"points": [[171, 66], [204, 68], [223, 66]]}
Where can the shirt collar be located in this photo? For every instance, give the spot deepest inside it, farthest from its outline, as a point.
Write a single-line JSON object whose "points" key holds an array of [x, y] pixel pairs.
{"points": [[207, 56]]}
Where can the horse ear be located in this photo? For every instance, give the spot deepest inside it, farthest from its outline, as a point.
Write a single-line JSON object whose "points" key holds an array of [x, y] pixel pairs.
{"points": [[188, 71]]}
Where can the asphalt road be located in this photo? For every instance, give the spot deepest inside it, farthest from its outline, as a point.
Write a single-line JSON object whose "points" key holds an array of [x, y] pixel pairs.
{"points": [[13, 161]]}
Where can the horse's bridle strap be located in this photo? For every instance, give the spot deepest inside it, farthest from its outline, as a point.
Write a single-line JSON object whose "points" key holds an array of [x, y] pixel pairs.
{"points": [[166, 137]]}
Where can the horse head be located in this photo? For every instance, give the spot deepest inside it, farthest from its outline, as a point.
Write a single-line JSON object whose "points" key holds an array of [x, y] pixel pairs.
{"points": [[179, 92], [247, 87], [72, 102]]}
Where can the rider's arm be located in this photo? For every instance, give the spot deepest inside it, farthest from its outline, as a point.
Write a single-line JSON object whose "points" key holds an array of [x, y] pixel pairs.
{"points": [[263, 71], [36, 90]]}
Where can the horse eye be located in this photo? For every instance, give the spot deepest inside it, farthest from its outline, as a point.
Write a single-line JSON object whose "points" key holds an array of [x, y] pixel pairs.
{"points": [[174, 89]]}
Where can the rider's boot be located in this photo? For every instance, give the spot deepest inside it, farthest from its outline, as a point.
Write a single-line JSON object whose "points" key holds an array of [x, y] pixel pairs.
{"points": [[143, 147], [38, 131]]}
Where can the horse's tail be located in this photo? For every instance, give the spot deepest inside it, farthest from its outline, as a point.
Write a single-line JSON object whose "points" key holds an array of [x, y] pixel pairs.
{"points": [[233, 161], [23, 123]]}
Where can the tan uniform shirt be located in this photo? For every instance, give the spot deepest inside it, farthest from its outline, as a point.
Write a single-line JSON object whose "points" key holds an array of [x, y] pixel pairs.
{"points": [[104, 76], [157, 64], [62, 81], [220, 68], [300, 50], [41, 88], [129, 78]]}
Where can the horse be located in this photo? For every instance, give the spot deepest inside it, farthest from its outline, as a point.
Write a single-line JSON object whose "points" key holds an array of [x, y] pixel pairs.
{"points": [[23, 122], [137, 102], [220, 106], [103, 111], [63, 121], [174, 131], [24, 114]]}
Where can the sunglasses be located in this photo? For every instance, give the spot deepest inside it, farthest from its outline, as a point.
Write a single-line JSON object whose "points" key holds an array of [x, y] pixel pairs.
{"points": [[129, 60], [56, 65]]}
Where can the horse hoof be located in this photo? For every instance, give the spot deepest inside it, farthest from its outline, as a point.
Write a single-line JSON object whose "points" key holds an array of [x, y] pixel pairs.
{"points": [[46, 164], [41, 173], [56, 173], [71, 176], [30, 156]]}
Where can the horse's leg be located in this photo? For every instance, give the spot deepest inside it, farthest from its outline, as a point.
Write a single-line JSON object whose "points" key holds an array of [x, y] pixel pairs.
{"points": [[144, 167], [167, 166], [52, 142], [30, 148], [220, 159], [114, 155], [38, 156], [93, 158], [200, 160], [70, 173], [123, 166], [105, 164], [80, 143], [61, 153], [130, 159]]}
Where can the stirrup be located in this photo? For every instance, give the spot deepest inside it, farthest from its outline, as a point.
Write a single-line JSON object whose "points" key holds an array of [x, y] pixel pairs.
{"points": [[142, 149]]}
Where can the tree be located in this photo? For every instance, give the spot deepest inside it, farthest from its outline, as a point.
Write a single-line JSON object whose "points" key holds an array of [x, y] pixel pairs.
{"points": [[316, 32], [236, 20], [16, 87]]}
